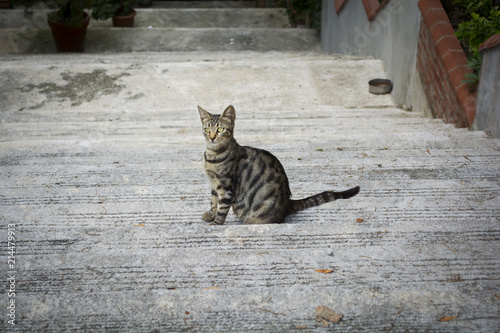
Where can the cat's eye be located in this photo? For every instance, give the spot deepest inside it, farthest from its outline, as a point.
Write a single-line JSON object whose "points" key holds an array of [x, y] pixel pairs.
{"points": [[207, 130], [220, 129]]}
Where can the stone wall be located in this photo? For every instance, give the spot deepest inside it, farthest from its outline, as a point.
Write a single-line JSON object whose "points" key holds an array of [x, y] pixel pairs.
{"points": [[488, 97]]}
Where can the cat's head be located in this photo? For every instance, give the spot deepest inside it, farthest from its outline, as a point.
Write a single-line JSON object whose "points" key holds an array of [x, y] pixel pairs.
{"points": [[218, 128]]}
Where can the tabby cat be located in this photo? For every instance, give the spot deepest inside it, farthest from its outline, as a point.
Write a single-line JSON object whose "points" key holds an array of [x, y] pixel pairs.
{"points": [[250, 180]]}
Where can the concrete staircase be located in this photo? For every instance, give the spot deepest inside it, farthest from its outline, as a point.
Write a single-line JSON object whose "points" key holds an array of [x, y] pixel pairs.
{"points": [[230, 26], [102, 184]]}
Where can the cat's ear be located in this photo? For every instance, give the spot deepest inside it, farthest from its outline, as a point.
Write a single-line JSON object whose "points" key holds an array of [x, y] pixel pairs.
{"points": [[229, 113], [204, 115]]}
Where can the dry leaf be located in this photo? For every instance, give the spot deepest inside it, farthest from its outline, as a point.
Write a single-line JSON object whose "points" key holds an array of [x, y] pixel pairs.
{"points": [[447, 318], [324, 314], [139, 225], [359, 220], [324, 271]]}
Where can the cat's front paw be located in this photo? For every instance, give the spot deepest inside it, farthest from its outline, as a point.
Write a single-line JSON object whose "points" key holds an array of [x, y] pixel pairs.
{"points": [[219, 220], [208, 217], [215, 223]]}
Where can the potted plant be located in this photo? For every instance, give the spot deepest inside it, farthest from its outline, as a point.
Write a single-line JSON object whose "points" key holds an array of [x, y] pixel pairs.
{"points": [[67, 20], [121, 11], [4, 4]]}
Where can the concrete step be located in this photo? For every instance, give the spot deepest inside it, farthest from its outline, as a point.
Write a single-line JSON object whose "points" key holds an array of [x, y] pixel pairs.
{"points": [[102, 176], [168, 18], [209, 18], [167, 30], [204, 4], [291, 80], [113, 40]]}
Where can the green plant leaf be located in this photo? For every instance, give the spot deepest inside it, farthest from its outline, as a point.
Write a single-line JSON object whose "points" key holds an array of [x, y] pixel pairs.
{"points": [[471, 76]]}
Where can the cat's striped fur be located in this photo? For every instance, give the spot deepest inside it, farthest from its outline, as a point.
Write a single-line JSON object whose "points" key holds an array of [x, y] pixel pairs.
{"points": [[250, 180]]}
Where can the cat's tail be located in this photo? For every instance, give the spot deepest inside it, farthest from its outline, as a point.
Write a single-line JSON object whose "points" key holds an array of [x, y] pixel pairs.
{"points": [[321, 198]]}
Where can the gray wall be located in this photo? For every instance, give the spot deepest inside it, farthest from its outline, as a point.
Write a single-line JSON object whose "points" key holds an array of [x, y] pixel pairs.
{"points": [[488, 96], [392, 37]]}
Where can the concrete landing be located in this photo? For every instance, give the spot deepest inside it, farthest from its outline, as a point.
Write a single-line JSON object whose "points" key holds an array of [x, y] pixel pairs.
{"points": [[102, 187]]}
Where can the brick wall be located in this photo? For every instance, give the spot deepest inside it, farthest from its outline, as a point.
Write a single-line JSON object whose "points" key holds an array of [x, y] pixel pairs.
{"points": [[442, 65]]}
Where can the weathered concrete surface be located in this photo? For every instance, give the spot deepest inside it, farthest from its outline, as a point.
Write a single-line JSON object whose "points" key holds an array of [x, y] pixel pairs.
{"points": [[105, 186]]}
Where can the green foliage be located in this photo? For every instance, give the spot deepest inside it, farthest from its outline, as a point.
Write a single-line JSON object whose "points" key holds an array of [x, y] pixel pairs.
{"points": [[64, 11], [104, 9], [474, 63], [480, 7], [306, 12], [479, 29], [484, 22]]}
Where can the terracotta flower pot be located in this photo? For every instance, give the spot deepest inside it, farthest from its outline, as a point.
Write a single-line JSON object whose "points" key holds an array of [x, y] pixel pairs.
{"points": [[124, 21], [4, 4], [67, 38]]}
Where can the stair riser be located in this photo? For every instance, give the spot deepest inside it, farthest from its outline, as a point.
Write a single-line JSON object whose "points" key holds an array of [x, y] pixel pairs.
{"points": [[167, 40]]}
